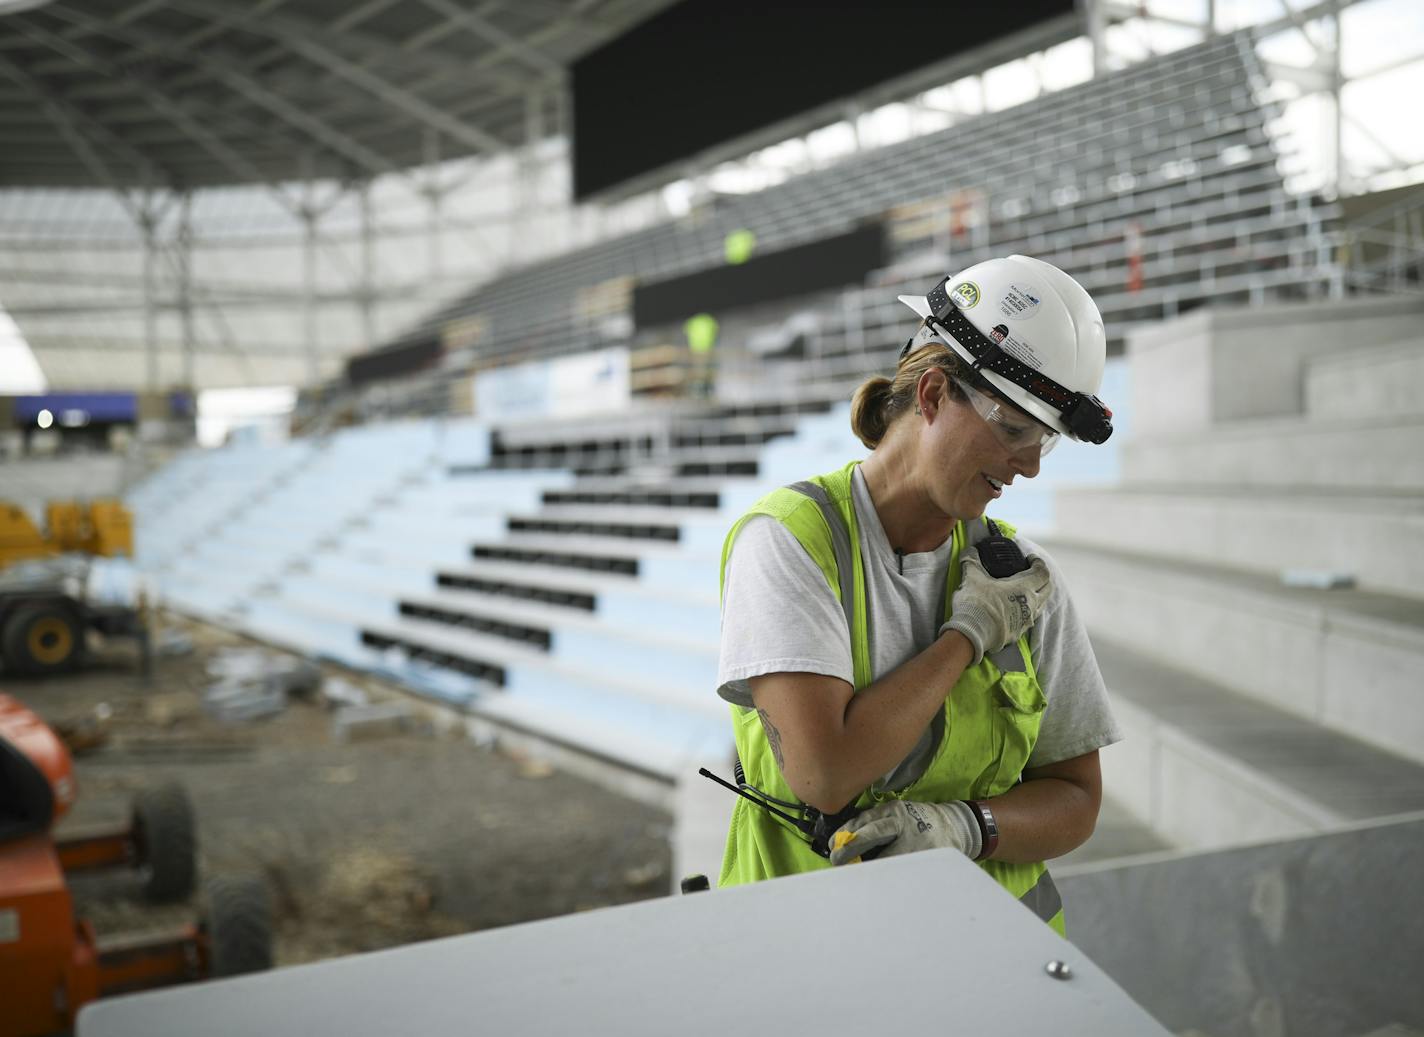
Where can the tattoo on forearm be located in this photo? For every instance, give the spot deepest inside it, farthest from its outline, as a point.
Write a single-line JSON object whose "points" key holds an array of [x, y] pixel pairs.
{"points": [[773, 737]]}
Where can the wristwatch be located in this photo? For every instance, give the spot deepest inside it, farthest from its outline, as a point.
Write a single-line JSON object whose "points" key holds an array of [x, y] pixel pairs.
{"points": [[988, 828]]}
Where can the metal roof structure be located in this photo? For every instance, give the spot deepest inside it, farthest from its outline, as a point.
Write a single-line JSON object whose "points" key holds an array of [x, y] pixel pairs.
{"points": [[208, 195], [180, 94]]}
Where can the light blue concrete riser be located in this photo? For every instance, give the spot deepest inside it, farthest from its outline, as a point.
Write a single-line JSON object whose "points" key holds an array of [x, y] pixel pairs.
{"points": [[702, 537], [622, 607], [682, 572], [605, 705], [295, 627], [398, 553], [399, 579], [444, 529], [368, 608], [613, 651]]}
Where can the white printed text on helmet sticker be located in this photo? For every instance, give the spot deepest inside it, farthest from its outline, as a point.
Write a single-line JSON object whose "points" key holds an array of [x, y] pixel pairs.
{"points": [[1019, 350], [1020, 301]]}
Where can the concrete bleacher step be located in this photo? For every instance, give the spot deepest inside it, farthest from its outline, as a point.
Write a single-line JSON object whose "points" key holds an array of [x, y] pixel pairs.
{"points": [[588, 553], [661, 489], [554, 584], [1378, 537], [1381, 382], [519, 671], [618, 598], [713, 435], [644, 497], [575, 637], [691, 528], [1365, 451], [649, 744], [1207, 767], [1339, 658]]}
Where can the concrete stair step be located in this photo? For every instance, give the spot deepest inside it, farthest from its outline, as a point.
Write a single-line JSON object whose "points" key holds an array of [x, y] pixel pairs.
{"points": [[731, 494], [1207, 767], [1219, 364], [618, 599], [1380, 382], [1377, 537], [1352, 661], [555, 584], [1365, 451], [642, 498], [691, 529], [644, 748], [723, 436], [570, 553], [520, 670], [575, 637], [654, 562]]}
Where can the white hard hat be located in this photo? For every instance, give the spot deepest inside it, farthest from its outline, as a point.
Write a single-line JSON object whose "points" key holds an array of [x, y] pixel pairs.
{"points": [[1032, 332]]}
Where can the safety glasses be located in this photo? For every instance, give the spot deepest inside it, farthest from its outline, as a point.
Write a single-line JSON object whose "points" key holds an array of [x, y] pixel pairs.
{"points": [[1011, 426]]}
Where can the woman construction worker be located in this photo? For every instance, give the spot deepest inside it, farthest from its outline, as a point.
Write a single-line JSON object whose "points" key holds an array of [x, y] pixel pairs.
{"points": [[906, 676]]}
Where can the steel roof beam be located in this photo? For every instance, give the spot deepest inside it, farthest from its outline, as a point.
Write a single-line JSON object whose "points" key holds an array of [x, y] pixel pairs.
{"points": [[163, 45], [138, 10], [502, 41], [287, 26], [164, 105], [396, 96], [378, 51], [77, 128], [359, 14], [219, 26]]}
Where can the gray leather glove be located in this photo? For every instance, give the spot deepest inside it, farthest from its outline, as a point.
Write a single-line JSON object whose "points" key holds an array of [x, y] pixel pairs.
{"points": [[904, 827], [992, 613]]}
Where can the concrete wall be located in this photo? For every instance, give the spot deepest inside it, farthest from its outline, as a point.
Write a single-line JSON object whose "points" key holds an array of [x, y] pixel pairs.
{"points": [[1226, 364], [1321, 936]]}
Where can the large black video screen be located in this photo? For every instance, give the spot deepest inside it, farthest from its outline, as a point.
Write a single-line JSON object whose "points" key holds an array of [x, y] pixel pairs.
{"points": [[800, 270], [704, 72], [393, 361]]}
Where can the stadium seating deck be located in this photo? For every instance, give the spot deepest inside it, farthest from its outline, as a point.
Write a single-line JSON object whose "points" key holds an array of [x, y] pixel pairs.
{"points": [[1180, 147]]}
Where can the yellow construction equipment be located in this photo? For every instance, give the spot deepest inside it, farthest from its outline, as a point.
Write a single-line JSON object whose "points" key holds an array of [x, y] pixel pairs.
{"points": [[99, 527], [20, 538], [110, 529]]}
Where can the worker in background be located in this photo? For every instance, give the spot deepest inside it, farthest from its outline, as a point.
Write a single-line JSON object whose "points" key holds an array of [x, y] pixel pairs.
{"points": [[701, 331], [872, 660]]}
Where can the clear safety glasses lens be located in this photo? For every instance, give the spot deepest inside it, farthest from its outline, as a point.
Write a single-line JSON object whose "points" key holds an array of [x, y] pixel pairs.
{"points": [[1011, 427]]}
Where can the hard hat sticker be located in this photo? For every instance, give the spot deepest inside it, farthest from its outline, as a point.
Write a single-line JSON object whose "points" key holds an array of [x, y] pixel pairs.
{"points": [[1020, 301], [1020, 350], [965, 295]]}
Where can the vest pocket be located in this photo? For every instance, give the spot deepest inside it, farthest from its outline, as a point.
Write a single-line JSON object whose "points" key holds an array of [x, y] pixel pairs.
{"points": [[1019, 703]]}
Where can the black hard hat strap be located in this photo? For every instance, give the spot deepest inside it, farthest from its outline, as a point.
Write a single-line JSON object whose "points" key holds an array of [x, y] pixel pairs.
{"points": [[1085, 415]]}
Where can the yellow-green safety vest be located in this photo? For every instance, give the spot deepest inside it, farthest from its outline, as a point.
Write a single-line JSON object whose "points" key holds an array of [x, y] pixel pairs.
{"points": [[990, 724]]}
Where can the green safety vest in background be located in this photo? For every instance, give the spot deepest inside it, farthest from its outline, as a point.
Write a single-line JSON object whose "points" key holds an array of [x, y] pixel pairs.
{"points": [[991, 718]]}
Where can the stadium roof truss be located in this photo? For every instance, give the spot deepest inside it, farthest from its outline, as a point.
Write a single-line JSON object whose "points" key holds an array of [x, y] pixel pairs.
{"points": [[164, 104], [309, 100], [182, 94]]}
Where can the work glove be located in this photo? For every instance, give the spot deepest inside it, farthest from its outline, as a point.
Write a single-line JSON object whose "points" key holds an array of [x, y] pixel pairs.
{"points": [[992, 613], [899, 826]]}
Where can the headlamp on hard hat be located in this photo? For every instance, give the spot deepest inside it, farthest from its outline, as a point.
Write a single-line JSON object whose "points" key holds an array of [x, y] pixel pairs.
{"points": [[1084, 415]]}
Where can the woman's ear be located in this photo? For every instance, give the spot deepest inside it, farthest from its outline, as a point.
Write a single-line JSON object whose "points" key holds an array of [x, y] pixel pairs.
{"points": [[931, 392]]}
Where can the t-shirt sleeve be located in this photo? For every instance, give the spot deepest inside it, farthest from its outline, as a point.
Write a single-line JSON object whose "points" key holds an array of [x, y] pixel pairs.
{"points": [[1078, 718], [779, 615]]}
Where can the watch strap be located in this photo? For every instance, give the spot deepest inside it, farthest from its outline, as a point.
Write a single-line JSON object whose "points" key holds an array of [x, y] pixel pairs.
{"points": [[988, 828]]}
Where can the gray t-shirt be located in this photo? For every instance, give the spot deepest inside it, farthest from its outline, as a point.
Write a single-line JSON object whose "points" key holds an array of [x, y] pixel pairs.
{"points": [[780, 616]]}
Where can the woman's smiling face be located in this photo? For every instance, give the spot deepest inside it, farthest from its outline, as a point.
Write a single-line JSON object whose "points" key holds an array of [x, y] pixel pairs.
{"points": [[963, 465]]}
